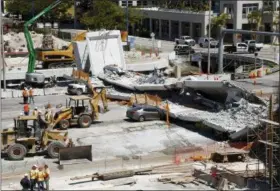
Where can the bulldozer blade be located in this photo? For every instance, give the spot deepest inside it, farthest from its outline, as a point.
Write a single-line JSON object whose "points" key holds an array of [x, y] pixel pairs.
{"points": [[74, 155]]}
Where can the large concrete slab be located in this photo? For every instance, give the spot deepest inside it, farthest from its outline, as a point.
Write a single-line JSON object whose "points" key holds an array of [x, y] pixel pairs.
{"points": [[102, 48]]}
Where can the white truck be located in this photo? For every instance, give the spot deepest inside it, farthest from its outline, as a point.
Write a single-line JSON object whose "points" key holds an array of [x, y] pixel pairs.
{"points": [[185, 40], [251, 43]]}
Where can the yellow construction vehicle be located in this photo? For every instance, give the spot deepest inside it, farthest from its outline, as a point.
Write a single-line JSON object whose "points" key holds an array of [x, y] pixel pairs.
{"points": [[77, 111], [27, 137], [59, 58]]}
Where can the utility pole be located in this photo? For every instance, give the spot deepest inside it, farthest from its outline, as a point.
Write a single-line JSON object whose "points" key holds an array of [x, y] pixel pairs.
{"points": [[127, 21], [1, 62], [75, 14], [33, 8], [2, 49], [209, 36]]}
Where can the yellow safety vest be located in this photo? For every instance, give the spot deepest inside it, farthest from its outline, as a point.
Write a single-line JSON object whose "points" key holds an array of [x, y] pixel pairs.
{"points": [[35, 113], [47, 173], [33, 174], [41, 176]]}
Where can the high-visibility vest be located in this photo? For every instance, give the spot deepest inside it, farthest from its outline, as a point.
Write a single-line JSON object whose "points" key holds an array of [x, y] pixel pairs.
{"points": [[33, 174], [47, 173], [35, 113], [31, 92], [26, 108], [25, 93], [41, 175]]}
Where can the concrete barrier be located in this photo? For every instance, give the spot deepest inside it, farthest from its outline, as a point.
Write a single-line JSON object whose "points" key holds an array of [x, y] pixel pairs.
{"points": [[38, 92], [7, 94], [16, 93]]}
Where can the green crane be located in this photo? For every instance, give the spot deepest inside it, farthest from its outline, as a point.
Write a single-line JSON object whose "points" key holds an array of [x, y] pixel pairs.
{"points": [[31, 76]]}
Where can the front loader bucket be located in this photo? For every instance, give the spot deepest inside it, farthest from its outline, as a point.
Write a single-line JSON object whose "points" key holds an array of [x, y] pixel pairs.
{"points": [[74, 155]]}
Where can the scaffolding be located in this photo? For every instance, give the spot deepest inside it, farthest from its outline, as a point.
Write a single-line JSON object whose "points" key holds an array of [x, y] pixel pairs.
{"points": [[266, 149]]}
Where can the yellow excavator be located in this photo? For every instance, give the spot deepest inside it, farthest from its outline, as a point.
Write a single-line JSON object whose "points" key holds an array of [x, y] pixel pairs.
{"points": [[77, 110], [59, 58]]}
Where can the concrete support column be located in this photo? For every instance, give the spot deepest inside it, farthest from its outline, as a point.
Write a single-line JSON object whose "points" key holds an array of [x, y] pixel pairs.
{"points": [[160, 28], [180, 28], [151, 25], [191, 29], [221, 52], [170, 31]]}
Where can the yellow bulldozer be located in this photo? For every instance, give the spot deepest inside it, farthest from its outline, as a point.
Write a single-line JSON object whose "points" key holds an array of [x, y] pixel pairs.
{"points": [[77, 111], [59, 58], [27, 137]]}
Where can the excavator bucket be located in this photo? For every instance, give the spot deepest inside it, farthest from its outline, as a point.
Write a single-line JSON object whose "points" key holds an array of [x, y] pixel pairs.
{"points": [[74, 155]]}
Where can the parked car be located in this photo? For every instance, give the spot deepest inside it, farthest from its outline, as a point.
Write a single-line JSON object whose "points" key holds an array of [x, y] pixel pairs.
{"points": [[144, 113], [203, 42], [253, 43], [239, 48], [185, 40], [183, 49]]}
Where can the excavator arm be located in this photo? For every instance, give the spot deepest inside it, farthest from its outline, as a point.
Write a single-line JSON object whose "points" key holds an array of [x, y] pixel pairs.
{"points": [[29, 42], [97, 96]]}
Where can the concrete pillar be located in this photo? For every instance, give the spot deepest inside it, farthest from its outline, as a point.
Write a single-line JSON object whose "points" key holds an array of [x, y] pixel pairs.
{"points": [[170, 31], [221, 52], [151, 25], [180, 28], [160, 29], [191, 29]]}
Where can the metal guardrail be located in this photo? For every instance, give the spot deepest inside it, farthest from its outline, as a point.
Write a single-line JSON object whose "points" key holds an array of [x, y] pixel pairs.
{"points": [[243, 58]]}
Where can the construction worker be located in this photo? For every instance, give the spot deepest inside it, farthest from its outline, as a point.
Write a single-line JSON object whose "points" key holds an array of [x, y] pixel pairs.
{"points": [[35, 112], [25, 95], [31, 95], [47, 176], [33, 176], [26, 109], [25, 183], [41, 178]]}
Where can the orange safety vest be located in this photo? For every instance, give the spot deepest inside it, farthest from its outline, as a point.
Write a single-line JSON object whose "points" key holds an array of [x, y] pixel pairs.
{"points": [[26, 108], [24, 93], [30, 92], [41, 175]]}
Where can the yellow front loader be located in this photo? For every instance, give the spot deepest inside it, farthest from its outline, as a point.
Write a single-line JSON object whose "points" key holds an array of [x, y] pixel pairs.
{"points": [[27, 137]]}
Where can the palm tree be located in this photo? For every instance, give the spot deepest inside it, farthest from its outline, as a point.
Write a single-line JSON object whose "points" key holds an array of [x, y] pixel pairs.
{"points": [[218, 22], [255, 19]]}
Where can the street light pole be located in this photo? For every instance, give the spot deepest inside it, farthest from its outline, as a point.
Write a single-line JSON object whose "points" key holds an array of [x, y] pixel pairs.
{"points": [[209, 36], [75, 14], [1, 63], [127, 21]]}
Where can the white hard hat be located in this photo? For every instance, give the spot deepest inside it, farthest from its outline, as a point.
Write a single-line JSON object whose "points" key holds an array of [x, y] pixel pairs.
{"points": [[35, 165], [35, 107], [25, 174]]}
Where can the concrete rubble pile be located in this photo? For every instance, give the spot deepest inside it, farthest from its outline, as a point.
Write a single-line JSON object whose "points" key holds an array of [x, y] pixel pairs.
{"points": [[137, 81], [16, 41], [230, 120]]}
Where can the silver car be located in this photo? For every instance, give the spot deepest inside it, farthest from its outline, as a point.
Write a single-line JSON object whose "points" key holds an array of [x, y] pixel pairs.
{"points": [[144, 113]]}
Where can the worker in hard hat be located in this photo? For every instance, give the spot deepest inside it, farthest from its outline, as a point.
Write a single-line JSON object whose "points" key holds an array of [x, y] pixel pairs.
{"points": [[25, 96], [35, 112], [33, 176], [26, 109], [31, 95]]}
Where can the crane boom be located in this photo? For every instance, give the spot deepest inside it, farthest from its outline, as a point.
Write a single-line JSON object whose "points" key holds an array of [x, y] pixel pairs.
{"points": [[29, 41]]}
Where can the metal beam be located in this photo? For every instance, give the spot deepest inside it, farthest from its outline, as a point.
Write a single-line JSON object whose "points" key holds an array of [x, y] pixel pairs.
{"points": [[233, 31]]}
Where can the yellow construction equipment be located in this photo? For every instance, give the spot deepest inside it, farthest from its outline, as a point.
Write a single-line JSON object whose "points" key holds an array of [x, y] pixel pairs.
{"points": [[28, 137], [59, 58], [77, 111]]}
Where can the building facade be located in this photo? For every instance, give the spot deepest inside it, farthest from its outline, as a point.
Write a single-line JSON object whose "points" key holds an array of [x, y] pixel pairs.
{"points": [[169, 24]]}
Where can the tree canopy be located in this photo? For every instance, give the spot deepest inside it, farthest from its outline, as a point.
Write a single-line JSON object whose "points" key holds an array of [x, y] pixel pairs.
{"points": [[108, 15], [25, 8]]}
